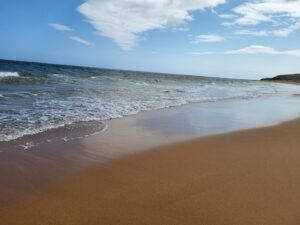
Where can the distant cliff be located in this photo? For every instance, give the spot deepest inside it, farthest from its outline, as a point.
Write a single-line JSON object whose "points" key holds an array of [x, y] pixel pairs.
{"points": [[294, 78]]}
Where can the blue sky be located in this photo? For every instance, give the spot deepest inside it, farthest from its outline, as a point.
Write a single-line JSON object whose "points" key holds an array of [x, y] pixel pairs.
{"points": [[226, 38]]}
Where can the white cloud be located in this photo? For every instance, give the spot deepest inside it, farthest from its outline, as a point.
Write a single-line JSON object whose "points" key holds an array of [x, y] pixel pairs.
{"points": [[208, 38], [252, 33], [227, 16], [80, 40], [260, 49], [252, 50], [60, 27], [124, 20], [287, 31], [283, 14], [284, 32], [256, 12]]}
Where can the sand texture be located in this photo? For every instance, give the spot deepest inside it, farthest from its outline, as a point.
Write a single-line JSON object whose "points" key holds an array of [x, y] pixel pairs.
{"points": [[241, 178]]}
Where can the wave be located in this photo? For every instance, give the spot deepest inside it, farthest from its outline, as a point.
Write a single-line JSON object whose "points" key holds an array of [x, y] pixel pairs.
{"points": [[44, 97], [12, 78], [8, 74], [54, 114]]}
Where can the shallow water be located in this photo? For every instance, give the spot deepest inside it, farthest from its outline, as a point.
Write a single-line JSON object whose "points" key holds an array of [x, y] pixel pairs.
{"points": [[38, 97]]}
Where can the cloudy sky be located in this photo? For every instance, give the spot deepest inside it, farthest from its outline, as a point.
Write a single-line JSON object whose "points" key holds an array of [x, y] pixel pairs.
{"points": [[227, 38]]}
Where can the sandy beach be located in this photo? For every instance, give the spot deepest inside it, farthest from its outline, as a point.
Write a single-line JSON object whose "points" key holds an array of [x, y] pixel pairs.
{"points": [[129, 112], [246, 177]]}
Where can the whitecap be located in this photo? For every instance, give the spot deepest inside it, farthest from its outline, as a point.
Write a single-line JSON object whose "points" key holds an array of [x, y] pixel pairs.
{"points": [[9, 74]]}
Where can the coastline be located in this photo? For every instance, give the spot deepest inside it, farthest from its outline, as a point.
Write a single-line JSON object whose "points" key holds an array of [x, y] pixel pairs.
{"points": [[28, 173], [165, 112], [283, 82], [243, 177]]}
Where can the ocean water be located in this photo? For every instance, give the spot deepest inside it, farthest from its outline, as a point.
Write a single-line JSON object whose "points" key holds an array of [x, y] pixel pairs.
{"points": [[37, 97]]}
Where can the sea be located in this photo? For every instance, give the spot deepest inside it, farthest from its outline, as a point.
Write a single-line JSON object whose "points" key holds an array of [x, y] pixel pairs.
{"points": [[37, 97]]}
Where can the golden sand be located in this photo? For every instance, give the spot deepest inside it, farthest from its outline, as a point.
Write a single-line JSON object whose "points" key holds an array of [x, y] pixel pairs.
{"points": [[248, 177]]}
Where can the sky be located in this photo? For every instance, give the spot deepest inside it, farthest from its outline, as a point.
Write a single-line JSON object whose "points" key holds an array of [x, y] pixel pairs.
{"points": [[247, 39]]}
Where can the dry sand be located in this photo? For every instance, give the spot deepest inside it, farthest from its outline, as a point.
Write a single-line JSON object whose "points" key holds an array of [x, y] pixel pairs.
{"points": [[241, 178]]}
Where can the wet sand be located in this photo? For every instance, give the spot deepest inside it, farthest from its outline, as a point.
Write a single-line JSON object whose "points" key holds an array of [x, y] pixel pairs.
{"points": [[245, 177], [25, 172]]}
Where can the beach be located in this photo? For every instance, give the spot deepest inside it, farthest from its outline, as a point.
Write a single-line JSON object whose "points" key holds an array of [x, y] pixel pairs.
{"points": [[170, 112], [245, 177], [163, 172], [83, 145]]}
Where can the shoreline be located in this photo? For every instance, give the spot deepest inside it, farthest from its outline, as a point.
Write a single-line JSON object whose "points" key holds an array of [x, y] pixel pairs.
{"points": [[130, 135], [92, 129], [83, 129], [242, 177], [26, 173]]}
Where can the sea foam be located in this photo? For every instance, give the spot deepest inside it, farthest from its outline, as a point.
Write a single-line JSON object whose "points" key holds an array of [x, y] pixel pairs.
{"points": [[44, 97], [9, 74]]}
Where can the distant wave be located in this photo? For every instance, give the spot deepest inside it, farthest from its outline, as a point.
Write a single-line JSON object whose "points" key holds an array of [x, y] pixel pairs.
{"points": [[8, 74], [12, 78]]}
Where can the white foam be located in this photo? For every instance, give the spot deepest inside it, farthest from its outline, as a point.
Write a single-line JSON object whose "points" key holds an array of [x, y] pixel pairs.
{"points": [[27, 146], [66, 139], [89, 99], [9, 74], [57, 75]]}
